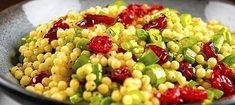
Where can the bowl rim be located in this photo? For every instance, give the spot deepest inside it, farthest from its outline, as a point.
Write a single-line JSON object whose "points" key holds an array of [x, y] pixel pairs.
{"points": [[8, 85]]}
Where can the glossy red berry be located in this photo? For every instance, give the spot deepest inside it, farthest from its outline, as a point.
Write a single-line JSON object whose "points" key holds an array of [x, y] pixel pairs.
{"points": [[100, 44], [159, 23], [120, 74], [90, 20], [188, 94], [209, 50], [138, 9], [222, 78], [52, 33], [169, 97], [186, 70], [38, 78], [161, 53], [133, 11]]}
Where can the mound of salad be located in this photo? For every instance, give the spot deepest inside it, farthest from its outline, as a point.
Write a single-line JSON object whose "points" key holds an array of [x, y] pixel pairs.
{"points": [[134, 54]]}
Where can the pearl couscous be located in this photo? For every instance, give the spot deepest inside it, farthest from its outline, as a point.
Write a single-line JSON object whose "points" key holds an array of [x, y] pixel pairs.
{"points": [[135, 54]]}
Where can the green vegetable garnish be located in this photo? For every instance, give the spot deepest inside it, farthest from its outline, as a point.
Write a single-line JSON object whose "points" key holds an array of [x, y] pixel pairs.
{"points": [[106, 101], [149, 58], [193, 83], [142, 34], [156, 73], [214, 94], [188, 42], [229, 60], [82, 60], [96, 100], [189, 55], [97, 70], [75, 99], [218, 41], [82, 43]]}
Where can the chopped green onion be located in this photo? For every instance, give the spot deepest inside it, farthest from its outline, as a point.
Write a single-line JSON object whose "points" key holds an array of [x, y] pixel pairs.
{"points": [[227, 35], [82, 60], [97, 70], [229, 60], [156, 73], [75, 99], [95, 100], [138, 95], [189, 55], [188, 42], [129, 45], [214, 93], [218, 41], [106, 101], [78, 31], [193, 83], [142, 34], [82, 43], [185, 19], [149, 58]]}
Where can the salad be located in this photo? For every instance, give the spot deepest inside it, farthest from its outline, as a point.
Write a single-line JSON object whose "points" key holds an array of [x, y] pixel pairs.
{"points": [[134, 54]]}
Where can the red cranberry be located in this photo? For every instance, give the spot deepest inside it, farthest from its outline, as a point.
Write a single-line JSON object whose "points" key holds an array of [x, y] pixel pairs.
{"points": [[38, 78], [52, 33], [100, 44], [155, 7], [161, 53], [222, 79], [138, 9], [186, 70], [209, 50], [90, 20], [133, 11], [121, 50], [192, 95], [226, 71], [126, 17], [169, 97], [119, 75], [159, 23]]}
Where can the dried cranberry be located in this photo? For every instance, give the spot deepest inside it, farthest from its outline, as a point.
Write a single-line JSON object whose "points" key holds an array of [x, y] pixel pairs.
{"points": [[209, 50], [158, 23], [100, 44], [38, 78], [227, 72], [169, 97], [126, 17], [186, 70], [52, 33], [134, 57], [133, 11], [161, 53], [90, 20], [119, 75], [155, 7], [138, 9], [121, 50], [222, 78], [192, 95]]}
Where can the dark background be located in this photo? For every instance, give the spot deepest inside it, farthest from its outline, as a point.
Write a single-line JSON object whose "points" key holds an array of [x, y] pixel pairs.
{"points": [[6, 3]]}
